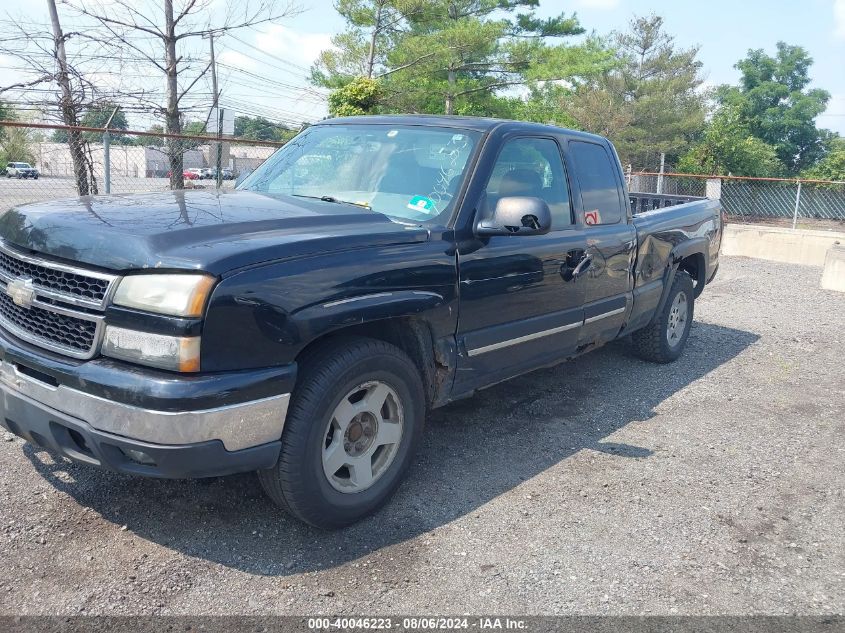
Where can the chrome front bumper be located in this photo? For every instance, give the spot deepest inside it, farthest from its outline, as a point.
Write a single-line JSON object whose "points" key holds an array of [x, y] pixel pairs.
{"points": [[237, 426]]}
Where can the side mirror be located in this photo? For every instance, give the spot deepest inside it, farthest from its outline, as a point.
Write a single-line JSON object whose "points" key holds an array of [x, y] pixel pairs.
{"points": [[516, 215]]}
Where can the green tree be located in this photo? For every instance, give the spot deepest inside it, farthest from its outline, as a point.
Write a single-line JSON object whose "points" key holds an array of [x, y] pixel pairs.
{"points": [[192, 128], [773, 100], [454, 56], [458, 53], [15, 142], [832, 166], [7, 113], [16, 145], [649, 102], [728, 147], [260, 129], [373, 27], [98, 117], [152, 141], [359, 96]]}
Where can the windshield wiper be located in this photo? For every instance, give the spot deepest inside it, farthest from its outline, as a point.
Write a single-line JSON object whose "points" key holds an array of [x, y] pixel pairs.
{"points": [[333, 199]]}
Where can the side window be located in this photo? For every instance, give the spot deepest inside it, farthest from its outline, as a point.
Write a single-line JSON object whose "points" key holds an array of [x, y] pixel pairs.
{"points": [[532, 167], [597, 179]]}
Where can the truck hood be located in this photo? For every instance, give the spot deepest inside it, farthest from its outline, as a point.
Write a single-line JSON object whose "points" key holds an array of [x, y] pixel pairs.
{"points": [[199, 230]]}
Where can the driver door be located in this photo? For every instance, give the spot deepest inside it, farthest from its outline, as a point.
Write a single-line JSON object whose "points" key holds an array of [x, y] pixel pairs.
{"points": [[520, 308]]}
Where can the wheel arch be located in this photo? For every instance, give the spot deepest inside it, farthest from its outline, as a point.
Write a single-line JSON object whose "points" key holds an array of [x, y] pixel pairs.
{"points": [[689, 257], [414, 335]]}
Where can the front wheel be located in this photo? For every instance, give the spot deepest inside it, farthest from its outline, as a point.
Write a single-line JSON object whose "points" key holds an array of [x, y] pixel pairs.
{"points": [[355, 419], [663, 340]]}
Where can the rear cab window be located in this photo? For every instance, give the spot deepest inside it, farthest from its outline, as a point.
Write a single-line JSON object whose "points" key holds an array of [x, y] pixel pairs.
{"points": [[597, 179]]}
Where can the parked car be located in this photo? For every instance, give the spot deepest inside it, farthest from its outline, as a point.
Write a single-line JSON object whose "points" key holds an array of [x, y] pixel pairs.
{"points": [[225, 173], [21, 170], [302, 327], [187, 174]]}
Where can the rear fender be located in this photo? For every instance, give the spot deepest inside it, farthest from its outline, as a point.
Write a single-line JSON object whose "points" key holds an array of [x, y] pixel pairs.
{"points": [[689, 248]]}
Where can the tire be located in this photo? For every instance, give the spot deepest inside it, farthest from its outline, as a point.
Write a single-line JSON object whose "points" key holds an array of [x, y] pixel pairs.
{"points": [[299, 482], [660, 341]]}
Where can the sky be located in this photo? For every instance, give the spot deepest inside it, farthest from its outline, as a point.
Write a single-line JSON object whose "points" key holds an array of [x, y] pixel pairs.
{"points": [[265, 71]]}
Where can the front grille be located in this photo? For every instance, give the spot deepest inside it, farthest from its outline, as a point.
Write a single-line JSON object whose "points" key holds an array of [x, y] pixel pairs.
{"points": [[45, 326], [63, 309], [60, 281]]}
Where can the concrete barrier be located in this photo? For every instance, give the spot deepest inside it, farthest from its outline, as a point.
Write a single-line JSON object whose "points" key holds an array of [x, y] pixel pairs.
{"points": [[833, 273], [793, 246]]}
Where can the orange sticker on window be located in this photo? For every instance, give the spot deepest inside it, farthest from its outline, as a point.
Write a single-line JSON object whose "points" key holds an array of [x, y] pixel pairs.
{"points": [[592, 217]]}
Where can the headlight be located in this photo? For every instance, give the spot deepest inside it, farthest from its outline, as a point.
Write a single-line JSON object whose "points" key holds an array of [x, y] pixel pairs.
{"points": [[176, 353], [175, 295]]}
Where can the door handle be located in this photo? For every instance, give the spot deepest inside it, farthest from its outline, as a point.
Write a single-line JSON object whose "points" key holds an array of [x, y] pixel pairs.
{"points": [[583, 266]]}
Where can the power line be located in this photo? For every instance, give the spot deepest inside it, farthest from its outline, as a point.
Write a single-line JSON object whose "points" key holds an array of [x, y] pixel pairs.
{"points": [[291, 118], [270, 55], [285, 116], [264, 62], [276, 82]]}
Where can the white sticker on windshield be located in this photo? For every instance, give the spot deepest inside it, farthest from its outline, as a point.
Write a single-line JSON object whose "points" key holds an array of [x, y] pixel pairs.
{"points": [[457, 137], [422, 204], [392, 133]]}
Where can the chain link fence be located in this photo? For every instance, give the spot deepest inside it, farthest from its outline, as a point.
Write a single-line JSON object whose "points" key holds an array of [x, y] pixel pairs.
{"points": [[36, 162], [770, 200]]}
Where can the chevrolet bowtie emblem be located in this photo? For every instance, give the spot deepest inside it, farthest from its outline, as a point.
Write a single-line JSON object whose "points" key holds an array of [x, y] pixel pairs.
{"points": [[21, 292]]}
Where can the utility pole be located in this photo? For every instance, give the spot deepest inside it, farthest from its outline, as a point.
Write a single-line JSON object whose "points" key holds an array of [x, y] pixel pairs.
{"points": [[216, 153], [213, 77], [107, 152], [660, 175]]}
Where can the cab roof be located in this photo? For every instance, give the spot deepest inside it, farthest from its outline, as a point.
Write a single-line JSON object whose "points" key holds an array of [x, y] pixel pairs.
{"points": [[479, 124]]}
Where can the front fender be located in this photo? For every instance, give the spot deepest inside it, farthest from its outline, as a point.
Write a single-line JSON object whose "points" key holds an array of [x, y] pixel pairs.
{"points": [[265, 316], [319, 320]]}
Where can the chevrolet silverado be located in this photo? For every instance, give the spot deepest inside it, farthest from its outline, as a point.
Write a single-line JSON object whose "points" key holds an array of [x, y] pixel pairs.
{"points": [[303, 324]]}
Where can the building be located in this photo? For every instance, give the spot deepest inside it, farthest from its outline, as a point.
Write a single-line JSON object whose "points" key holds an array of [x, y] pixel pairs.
{"points": [[132, 161]]}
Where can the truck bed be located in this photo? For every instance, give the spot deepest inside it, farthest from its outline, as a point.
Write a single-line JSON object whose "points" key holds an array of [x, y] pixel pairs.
{"points": [[642, 202], [664, 221]]}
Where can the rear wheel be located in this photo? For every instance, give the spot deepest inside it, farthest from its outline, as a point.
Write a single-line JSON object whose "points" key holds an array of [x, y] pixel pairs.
{"points": [[355, 419], [663, 340]]}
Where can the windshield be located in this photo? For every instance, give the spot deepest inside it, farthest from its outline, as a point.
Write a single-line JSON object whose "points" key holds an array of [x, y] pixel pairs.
{"points": [[409, 173]]}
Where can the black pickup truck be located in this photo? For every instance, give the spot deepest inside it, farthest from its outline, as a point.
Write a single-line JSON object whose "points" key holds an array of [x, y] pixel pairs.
{"points": [[301, 325]]}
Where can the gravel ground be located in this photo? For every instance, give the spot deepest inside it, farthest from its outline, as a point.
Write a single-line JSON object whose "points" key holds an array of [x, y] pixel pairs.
{"points": [[604, 486]]}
